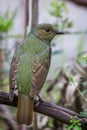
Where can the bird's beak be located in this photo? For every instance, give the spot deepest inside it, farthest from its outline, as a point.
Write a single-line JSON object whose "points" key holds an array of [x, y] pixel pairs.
{"points": [[60, 32]]}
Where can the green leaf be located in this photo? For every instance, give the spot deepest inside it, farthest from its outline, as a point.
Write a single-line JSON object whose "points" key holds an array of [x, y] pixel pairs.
{"points": [[6, 22], [78, 127], [59, 11], [70, 127], [85, 58], [69, 24], [83, 114], [82, 59], [71, 78], [74, 124]]}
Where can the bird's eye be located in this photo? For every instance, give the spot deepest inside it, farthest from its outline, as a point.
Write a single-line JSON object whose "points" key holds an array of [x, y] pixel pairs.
{"points": [[47, 29]]}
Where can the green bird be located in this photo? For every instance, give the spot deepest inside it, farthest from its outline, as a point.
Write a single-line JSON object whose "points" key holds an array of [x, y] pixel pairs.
{"points": [[29, 68]]}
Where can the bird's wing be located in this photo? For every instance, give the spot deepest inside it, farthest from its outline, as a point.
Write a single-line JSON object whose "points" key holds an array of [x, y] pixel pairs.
{"points": [[40, 71], [12, 78]]}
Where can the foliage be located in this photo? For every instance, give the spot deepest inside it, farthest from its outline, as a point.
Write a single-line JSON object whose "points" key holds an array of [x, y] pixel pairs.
{"points": [[6, 24], [7, 21], [73, 82], [59, 11], [82, 59], [75, 124], [83, 114]]}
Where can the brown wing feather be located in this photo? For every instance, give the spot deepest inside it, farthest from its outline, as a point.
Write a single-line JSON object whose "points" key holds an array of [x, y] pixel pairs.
{"points": [[12, 78], [40, 72]]}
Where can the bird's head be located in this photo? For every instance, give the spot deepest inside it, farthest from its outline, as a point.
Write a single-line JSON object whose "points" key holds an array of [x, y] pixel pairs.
{"points": [[46, 32]]}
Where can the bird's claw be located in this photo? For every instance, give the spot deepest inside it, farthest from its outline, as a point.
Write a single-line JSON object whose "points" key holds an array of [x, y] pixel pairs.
{"points": [[39, 98], [39, 101]]}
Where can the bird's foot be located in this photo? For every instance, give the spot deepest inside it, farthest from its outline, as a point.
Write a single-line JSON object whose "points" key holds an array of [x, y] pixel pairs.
{"points": [[39, 98], [39, 101]]}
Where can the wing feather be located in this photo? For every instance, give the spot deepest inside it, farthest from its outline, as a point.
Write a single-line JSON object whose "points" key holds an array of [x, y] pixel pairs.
{"points": [[40, 71], [12, 78]]}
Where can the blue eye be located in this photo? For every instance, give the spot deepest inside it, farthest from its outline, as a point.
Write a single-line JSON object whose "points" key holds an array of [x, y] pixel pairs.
{"points": [[47, 30]]}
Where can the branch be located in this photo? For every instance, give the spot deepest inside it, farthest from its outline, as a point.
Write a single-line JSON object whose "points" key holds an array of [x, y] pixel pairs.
{"points": [[26, 15], [34, 13], [79, 2], [61, 114]]}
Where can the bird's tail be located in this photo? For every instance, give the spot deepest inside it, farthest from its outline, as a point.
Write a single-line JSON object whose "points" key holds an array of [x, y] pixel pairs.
{"points": [[25, 110]]}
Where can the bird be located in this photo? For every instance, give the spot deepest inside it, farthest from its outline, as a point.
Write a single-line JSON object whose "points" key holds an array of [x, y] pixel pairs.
{"points": [[29, 68]]}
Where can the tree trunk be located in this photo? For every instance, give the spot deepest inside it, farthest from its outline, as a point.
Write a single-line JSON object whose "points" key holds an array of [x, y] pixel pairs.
{"points": [[34, 13], [26, 15]]}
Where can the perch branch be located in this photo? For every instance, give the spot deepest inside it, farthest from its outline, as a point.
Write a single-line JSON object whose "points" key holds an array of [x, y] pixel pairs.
{"points": [[61, 114]]}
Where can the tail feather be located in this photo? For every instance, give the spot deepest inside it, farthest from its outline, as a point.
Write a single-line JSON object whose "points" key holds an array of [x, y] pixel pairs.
{"points": [[25, 110]]}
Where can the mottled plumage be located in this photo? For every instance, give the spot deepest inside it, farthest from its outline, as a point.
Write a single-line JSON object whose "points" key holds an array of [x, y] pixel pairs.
{"points": [[29, 69]]}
